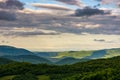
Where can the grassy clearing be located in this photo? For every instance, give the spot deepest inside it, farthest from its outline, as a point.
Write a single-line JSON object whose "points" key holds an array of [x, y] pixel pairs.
{"points": [[7, 77], [43, 77]]}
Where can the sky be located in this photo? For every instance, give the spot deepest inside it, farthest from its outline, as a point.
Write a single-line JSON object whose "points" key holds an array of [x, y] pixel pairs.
{"points": [[60, 25]]}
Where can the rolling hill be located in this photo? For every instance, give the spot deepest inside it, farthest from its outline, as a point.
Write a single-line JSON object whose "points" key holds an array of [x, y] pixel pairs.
{"points": [[70, 60], [97, 54], [13, 51], [67, 57], [100, 69], [29, 58], [94, 54], [21, 55]]}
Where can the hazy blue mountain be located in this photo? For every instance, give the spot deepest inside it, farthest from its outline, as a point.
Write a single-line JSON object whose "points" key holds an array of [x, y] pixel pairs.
{"points": [[67, 57], [21, 55], [106, 53], [97, 54], [60, 57], [70, 60], [46, 54], [28, 58], [13, 51]]}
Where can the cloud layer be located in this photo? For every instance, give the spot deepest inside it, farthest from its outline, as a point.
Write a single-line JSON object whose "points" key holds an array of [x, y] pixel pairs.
{"points": [[57, 22], [98, 24]]}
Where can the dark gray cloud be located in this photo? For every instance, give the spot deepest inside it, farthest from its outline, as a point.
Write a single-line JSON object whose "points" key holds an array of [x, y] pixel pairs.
{"points": [[12, 4], [8, 8], [24, 31], [27, 34], [87, 11], [99, 40], [6, 15]]}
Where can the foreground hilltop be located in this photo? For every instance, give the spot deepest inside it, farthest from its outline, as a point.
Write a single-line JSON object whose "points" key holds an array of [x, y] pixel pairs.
{"points": [[100, 69]]}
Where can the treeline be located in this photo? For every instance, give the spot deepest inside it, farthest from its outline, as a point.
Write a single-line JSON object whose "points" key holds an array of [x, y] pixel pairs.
{"points": [[101, 69]]}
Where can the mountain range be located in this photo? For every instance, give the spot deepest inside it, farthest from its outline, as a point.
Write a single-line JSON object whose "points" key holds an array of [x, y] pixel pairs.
{"points": [[60, 58], [21, 55]]}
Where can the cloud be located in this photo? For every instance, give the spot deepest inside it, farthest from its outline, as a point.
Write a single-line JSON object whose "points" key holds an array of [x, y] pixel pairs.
{"points": [[11, 4], [87, 11], [8, 9], [118, 4], [99, 40], [2, 0], [32, 11], [4, 41], [97, 24], [72, 2], [25, 32], [50, 6], [103, 2], [6, 15]]}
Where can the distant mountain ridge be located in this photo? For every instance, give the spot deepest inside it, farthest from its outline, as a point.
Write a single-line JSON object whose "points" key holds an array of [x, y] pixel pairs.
{"points": [[93, 54], [97, 54], [13, 51], [28, 58], [67, 57], [71, 57], [21, 55], [70, 60]]}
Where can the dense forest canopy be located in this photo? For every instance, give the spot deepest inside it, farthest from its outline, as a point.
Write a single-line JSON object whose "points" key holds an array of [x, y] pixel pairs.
{"points": [[100, 69]]}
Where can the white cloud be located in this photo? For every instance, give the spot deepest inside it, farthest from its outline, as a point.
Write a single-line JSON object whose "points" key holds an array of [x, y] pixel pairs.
{"points": [[50, 6], [73, 2]]}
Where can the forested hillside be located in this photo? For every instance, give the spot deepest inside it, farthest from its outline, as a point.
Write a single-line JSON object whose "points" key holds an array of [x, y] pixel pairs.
{"points": [[5, 61], [101, 69]]}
